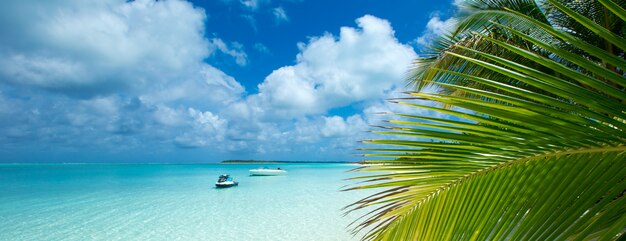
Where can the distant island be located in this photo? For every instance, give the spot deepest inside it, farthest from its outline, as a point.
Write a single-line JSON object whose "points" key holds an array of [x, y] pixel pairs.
{"points": [[276, 162]]}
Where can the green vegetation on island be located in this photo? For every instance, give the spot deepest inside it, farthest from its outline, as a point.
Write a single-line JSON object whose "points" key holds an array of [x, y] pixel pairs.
{"points": [[525, 136]]}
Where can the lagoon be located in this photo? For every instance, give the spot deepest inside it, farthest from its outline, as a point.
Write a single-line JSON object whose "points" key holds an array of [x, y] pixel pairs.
{"points": [[173, 202]]}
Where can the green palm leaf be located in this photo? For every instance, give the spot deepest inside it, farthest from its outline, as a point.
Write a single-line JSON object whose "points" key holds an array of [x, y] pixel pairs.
{"points": [[534, 148], [615, 8]]}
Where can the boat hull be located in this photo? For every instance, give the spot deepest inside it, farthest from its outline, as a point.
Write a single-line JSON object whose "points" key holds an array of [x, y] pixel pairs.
{"points": [[267, 172], [226, 184]]}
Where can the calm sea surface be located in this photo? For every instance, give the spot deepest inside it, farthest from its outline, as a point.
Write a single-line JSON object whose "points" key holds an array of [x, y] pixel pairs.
{"points": [[173, 202]]}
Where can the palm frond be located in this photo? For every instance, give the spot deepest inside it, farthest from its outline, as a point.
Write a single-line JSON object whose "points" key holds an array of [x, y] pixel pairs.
{"points": [[534, 148]]}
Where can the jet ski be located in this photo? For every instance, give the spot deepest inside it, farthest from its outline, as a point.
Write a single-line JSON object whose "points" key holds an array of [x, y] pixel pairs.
{"points": [[225, 181]]}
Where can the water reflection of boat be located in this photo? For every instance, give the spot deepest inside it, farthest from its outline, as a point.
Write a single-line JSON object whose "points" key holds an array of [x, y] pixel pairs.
{"points": [[225, 181], [267, 172]]}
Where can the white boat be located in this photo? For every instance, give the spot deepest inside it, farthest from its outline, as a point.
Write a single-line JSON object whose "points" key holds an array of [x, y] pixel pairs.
{"points": [[267, 172]]}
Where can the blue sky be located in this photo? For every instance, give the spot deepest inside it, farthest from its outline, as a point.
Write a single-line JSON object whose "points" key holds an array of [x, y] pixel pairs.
{"points": [[203, 81]]}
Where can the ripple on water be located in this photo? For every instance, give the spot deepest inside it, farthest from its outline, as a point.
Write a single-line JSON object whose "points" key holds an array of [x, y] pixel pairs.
{"points": [[173, 202]]}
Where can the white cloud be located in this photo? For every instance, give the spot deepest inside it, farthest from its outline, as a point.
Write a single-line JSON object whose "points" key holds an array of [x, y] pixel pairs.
{"points": [[47, 72], [337, 126], [207, 129], [280, 15], [90, 48], [207, 121], [434, 28], [438, 26], [168, 116], [252, 4], [359, 65], [288, 114], [235, 50], [124, 74], [334, 126], [130, 75]]}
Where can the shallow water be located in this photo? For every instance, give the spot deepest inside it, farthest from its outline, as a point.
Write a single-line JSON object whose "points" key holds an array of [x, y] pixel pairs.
{"points": [[173, 202]]}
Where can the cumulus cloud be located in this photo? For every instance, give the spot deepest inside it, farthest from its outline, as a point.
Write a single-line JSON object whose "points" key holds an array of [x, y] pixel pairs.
{"points": [[207, 128], [87, 48], [46, 72], [434, 28], [289, 113], [109, 123], [337, 126], [111, 74], [360, 64], [117, 75], [208, 87]]}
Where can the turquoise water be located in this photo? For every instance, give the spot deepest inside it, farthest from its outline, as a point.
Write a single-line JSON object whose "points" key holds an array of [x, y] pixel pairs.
{"points": [[173, 202]]}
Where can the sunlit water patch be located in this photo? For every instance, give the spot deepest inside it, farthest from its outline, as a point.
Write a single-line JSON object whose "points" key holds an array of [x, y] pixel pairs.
{"points": [[173, 202]]}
